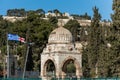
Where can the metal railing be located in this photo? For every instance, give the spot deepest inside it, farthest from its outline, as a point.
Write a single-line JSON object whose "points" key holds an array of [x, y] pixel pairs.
{"points": [[60, 79]]}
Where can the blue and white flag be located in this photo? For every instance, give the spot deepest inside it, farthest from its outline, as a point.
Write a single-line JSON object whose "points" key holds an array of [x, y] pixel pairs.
{"points": [[15, 37]]}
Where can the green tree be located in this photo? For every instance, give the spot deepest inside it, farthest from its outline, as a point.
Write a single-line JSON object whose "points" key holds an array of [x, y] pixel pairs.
{"points": [[30, 63], [93, 48], [73, 26], [115, 39], [80, 17], [53, 20], [56, 11], [50, 11], [86, 16], [16, 12], [95, 42], [41, 12]]}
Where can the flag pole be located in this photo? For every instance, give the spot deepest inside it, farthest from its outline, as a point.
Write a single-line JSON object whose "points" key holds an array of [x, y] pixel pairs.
{"points": [[12, 37], [8, 56]]}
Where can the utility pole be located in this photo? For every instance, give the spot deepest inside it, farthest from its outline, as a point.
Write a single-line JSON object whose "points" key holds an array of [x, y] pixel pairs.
{"points": [[26, 61], [28, 47]]}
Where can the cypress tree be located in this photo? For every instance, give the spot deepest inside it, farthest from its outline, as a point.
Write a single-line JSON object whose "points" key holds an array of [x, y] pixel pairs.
{"points": [[93, 47], [30, 63], [94, 41], [115, 40]]}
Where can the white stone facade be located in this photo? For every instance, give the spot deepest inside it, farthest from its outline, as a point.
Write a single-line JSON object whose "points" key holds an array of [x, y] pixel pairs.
{"points": [[13, 18]]}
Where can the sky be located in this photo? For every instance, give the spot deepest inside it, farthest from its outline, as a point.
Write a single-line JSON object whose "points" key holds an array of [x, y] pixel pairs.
{"points": [[70, 6]]}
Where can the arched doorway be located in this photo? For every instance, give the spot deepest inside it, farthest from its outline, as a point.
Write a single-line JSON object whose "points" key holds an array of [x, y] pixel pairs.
{"points": [[69, 68], [49, 68]]}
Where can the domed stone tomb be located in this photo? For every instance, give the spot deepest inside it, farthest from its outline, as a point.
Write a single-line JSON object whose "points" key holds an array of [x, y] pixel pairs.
{"points": [[60, 51]]}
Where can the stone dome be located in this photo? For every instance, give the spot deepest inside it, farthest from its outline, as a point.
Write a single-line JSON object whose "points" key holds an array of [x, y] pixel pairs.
{"points": [[60, 35]]}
